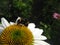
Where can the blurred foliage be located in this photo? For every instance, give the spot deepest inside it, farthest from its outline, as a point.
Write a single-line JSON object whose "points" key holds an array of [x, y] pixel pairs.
{"points": [[42, 13], [14, 8], [47, 29], [38, 11], [25, 6]]}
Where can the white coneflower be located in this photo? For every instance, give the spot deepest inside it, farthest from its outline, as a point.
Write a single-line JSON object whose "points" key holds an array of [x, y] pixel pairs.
{"points": [[13, 34]]}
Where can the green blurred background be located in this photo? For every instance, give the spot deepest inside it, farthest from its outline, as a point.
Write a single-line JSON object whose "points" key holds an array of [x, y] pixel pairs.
{"points": [[37, 11]]}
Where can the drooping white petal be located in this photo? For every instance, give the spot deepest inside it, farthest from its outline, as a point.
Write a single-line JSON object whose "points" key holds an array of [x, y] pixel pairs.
{"points": [[11, 23], [31, 25], [1, 29], [40, 43], [1, 25], [4, 22]]}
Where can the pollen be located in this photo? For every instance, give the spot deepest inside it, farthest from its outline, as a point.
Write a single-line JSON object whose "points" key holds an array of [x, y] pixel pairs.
{"points": [[16, 35]]}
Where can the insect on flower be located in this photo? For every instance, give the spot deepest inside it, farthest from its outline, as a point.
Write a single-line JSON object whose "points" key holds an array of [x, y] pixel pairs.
{"points": [[22, 21], [13, 34]]}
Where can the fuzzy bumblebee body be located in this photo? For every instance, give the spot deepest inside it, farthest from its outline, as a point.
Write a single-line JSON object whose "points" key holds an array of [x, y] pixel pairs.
{"points": [[21, 21]]}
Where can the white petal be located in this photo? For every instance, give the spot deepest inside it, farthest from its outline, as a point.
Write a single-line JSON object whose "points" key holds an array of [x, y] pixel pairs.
{"points": [[40, 43], [40, 38], [43, 37], [11, 23], [1, 25], [1, 29], [40, 30], [31, 25], [4, 22], [31, 29], [36, 33]]}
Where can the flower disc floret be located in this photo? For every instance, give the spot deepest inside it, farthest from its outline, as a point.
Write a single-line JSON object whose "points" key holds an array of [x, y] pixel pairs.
{"points": [[16, 34]]}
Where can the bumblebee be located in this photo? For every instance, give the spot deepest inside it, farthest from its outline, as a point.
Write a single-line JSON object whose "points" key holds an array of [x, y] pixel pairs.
{"points": [[22, 21]]}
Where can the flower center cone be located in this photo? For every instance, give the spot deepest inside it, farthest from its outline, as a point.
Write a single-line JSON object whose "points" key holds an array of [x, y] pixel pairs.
{"points": [[16, 35]]}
